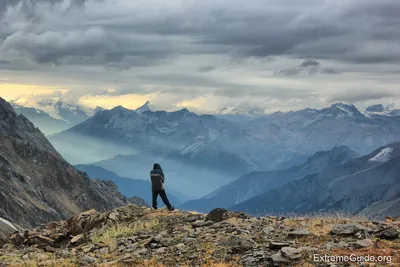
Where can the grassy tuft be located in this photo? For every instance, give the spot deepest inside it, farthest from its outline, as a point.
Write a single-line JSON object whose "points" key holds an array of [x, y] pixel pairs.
{"points": [[109, 235]]}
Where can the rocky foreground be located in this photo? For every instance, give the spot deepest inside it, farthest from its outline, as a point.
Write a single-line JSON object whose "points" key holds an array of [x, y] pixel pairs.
{"points": [[140, 236]]}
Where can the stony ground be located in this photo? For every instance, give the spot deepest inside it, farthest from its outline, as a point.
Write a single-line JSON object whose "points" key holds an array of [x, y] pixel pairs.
{"points": [[133, 236]]}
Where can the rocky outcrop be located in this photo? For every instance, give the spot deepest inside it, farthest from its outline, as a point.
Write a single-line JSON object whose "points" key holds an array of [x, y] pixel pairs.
{"points": [[140, 236], [37, 184], [219, 215]]}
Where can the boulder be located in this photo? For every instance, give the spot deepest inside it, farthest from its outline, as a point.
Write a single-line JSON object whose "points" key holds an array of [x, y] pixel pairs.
{"points": [[349, 229], [291, 253], [390, 233], [219, 215], [364, 243], [299, 233], [279, 260], [77, 239]]}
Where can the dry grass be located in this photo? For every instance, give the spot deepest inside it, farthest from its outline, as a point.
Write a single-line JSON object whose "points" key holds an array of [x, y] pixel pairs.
{"points": [[318, 226], [109, 235], [164, 212]]}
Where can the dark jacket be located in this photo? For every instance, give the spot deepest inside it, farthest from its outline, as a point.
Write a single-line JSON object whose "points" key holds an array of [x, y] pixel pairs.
{"points": [[157, 177]]}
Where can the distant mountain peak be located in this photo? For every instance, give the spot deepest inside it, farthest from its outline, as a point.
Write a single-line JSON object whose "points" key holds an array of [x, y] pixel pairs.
{"points": [[145, 107], [119, 109], [98, 109], [344, 110], [183, 111], [343, 105], [382, 110], [375, 108]]}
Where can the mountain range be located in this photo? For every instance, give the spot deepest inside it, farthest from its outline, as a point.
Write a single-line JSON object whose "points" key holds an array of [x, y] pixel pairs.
{"points": [[241, 161], [368, 185], [37, 184], [190, 146], [255, 183], [219, 149]]}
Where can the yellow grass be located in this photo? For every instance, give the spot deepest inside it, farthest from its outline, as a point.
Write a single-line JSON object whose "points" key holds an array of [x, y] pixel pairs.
{"points": [[109, 235]]}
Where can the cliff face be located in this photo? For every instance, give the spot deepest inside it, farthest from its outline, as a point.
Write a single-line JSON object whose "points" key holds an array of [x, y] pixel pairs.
{"points": [[37, 184]]}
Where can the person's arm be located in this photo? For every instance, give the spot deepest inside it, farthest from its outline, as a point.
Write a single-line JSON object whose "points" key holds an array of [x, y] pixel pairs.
{"points": [[162, 177]]}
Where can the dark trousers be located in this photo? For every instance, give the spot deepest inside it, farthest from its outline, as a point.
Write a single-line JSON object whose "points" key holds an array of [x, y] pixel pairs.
{"points": [[163, 196]]}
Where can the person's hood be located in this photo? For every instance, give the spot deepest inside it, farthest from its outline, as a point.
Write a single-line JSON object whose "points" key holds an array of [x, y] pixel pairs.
{"points": [[157, 166]]}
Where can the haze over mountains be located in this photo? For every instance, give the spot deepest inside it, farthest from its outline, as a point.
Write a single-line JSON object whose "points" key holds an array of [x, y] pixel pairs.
{"points": [[222, 161], [256, 183], [53, 116]]}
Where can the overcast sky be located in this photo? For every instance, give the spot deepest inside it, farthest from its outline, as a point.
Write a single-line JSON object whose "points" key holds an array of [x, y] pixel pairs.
{"points": [[208, 56]]}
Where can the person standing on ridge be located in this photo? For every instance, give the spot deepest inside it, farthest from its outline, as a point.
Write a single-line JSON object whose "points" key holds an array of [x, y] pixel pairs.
{"points": [[157, 184]]}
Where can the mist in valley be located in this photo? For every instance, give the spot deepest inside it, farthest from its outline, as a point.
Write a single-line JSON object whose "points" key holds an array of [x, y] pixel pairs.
{"points": [[191, 182], [79, 149], [182, 180]]}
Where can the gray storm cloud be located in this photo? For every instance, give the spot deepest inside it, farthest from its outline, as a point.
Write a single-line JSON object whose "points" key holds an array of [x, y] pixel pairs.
{"points": [[355, 31], [193, 48]]}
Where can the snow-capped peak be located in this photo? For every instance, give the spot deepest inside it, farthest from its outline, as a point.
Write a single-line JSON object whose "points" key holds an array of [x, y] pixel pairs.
{"points": [[381, 110], [344, 110], [144, 108]]}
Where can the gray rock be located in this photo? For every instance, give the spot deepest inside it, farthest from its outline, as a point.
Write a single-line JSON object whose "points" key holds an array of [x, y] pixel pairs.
{"points": [[180, 246], [193, 219], [291, 253], [333, 245], [279, 260], [219, 215], [364, 243], [309, 249], [348, 229], [390, 233], [268, 230], [161, 250], [198, 224], [121, 248], [299, 233], [88, 260]]}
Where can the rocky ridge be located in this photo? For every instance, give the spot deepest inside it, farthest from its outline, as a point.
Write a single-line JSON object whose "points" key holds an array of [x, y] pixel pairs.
{"points": [[140, 236], [37, 185]]}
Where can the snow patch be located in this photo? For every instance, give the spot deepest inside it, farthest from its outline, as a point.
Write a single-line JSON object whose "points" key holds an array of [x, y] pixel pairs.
{"points": [[8, 223], [383, 156], [345, 110]]}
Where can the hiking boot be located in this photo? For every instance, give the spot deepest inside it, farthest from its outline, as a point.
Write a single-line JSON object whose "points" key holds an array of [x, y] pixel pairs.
{"points": [[155, 208], [172, 208]]}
